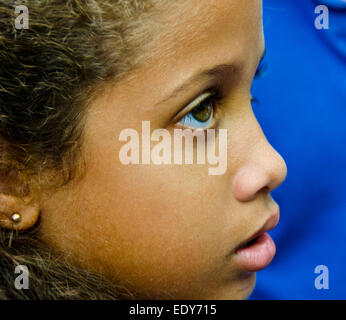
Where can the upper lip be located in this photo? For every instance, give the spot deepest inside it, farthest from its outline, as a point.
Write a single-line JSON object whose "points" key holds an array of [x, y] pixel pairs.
{"points": [[268, 225]]}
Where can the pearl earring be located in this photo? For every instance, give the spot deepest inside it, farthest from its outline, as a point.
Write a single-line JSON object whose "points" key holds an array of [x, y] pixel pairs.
{"points": [[16, 217]]}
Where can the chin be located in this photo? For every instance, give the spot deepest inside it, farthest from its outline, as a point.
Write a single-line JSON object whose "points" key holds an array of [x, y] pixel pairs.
{"points": [[240, 290]]}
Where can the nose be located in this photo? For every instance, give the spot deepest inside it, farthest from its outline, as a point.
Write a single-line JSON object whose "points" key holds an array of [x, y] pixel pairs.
{"points": [[263, 170]]}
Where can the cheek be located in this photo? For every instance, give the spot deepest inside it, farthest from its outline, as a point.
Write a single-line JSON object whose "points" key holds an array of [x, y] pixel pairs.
{"points": [[152, 224]]}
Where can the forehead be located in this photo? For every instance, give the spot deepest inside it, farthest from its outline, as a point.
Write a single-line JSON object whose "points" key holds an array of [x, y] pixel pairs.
{"points": [[189, 25], [192, 35]]}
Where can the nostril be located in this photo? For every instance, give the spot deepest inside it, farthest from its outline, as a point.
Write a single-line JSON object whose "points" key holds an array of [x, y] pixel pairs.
{"points": [[265, 189]]}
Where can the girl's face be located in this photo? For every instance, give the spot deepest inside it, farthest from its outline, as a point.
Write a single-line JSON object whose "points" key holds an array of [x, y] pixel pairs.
{"points": [[172, 230]]}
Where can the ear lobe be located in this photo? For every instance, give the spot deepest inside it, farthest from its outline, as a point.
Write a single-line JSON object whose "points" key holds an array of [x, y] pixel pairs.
{"points": [[16, 213]]}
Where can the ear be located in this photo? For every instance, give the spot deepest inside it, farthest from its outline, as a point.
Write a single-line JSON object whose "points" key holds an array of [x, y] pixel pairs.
{"points": [[17, 213]]}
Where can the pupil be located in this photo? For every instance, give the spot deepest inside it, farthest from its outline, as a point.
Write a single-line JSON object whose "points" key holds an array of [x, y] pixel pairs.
{"points": [[203, 112]]}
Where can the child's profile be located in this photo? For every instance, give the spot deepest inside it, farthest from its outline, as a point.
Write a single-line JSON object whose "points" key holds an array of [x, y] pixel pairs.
{"points": [[85, 224]]}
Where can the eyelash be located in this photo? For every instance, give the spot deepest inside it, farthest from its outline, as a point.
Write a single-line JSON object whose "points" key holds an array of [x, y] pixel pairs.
{"points": [[217, 97], [260, 72]]}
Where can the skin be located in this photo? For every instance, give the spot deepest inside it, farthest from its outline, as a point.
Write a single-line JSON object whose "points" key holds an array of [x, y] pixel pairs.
{"points": [[171, 230]]}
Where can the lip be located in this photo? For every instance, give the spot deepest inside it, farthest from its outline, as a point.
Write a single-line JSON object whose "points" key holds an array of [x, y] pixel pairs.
{"points": [[258, 250]]}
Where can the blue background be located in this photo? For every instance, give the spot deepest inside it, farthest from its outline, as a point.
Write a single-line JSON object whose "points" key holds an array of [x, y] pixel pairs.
{"points": [[302, 111]]}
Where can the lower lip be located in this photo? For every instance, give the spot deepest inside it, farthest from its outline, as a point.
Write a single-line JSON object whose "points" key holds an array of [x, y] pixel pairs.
{"points": [[258, 255]]}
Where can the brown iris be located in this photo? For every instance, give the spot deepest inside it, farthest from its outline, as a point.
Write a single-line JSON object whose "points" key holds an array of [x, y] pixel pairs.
{"points": [[203, 112]]}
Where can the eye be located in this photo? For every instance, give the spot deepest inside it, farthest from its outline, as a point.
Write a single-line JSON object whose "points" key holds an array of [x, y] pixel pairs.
{"points": [[202, 112]]}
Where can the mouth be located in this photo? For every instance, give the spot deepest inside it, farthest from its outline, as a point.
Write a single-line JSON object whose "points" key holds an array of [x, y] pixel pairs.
{"points": [[257, 251]]}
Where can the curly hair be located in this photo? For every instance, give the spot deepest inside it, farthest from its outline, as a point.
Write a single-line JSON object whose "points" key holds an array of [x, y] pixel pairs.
{"points": [[49, 74]]}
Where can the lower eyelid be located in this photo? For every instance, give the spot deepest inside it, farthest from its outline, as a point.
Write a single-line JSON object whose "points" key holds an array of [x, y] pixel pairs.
{"points": [[202, 124], [213, 124]]}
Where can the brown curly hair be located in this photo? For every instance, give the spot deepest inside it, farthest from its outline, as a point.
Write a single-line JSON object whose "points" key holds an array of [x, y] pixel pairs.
{"points": [[49, 74]]}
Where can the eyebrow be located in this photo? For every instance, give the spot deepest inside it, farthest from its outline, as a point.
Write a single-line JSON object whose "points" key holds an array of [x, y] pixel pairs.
{"points": [[216, 72]]}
